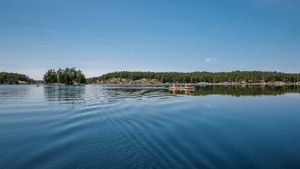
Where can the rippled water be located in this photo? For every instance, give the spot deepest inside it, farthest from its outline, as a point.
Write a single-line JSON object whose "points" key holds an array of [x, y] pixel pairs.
{"points": [[113, 127]]}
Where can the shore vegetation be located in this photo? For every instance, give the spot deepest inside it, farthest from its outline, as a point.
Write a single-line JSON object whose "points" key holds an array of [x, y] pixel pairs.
{"points": [[68, 76], [14, 78], [204, 77]]}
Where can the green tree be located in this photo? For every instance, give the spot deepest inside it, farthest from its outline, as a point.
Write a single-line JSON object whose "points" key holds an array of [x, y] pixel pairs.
{"points": [[64, 76], [195, 77], [14, 78]]}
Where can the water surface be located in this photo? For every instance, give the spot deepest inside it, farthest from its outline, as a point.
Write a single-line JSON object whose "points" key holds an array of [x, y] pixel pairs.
{"points": [[116, 127]]}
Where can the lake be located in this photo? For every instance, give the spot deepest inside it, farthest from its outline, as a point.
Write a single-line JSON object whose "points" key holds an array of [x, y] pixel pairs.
{"points": [[116, 127]]}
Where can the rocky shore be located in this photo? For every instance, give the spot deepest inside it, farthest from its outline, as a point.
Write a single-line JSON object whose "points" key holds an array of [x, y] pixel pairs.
{"points": [[154, 81]]}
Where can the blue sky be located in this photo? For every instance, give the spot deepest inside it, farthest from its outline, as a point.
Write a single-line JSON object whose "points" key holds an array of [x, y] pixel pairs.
{"points": [[100, 36]]}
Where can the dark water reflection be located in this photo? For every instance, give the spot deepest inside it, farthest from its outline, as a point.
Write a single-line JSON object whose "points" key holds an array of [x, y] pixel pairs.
{"points": [[238, 90], [64, 94], [118, 127], [12, 93], [255, 90], [77, 94]]}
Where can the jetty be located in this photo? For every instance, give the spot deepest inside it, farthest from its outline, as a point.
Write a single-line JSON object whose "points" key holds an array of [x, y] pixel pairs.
{"points": [[185, 87]]}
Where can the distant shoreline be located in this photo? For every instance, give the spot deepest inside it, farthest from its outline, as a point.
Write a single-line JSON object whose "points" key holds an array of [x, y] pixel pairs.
{"points": [[277, 83], [199, 78], [204, 84], [168, 84], [71, 76]]}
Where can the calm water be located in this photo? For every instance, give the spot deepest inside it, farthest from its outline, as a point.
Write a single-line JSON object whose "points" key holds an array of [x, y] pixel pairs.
{"points": [[135, 127]]}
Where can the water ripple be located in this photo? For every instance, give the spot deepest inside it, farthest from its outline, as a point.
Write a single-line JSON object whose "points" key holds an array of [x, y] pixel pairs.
{"points": [[144, 127]]}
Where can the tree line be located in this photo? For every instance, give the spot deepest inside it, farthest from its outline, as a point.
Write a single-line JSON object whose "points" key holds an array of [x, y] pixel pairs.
{"points": [[14, 78], [209, 77], [64, 76]]}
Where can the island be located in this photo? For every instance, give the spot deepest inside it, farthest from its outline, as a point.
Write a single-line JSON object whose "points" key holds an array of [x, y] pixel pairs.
{"points": [[209, 78], [14, 78], [67, 76]]}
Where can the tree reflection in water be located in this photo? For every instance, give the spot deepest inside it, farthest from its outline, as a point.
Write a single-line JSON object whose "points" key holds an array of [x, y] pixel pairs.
{"points": [[66, 94], [238, 90]]}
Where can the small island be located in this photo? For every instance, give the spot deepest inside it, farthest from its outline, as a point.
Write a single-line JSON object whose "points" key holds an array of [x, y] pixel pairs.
{"points": [[68, 76]]}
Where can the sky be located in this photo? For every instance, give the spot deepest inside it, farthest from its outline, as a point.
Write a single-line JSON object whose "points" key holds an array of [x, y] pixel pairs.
{"points": [[101, 36]]}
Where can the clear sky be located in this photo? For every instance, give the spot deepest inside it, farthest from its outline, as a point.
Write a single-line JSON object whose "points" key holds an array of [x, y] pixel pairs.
{"points": [[100, 36]]}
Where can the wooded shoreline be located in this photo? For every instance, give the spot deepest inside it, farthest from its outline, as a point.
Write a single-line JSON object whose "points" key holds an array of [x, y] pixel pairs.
{"points": [[224, 78], [71, 76]]}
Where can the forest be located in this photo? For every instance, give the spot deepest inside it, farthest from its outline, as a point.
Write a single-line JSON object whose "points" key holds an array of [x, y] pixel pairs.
{"points": [[73, 76], [14, 78], [209, 77], [64, 76]]}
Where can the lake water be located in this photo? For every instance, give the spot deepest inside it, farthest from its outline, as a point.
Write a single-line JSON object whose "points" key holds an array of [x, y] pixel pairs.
{"points": [[112, 127]]}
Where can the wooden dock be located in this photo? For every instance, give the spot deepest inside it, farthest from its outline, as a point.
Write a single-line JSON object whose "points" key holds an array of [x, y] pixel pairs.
{"points": [[185, 87]]}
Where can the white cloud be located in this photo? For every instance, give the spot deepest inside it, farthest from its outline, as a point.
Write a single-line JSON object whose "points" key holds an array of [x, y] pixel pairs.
{"points": [[210, 60]]}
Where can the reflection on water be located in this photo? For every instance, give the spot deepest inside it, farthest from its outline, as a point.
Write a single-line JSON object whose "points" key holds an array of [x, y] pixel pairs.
{"points": [[254, 90], [116, 127], [111, 94], [12, 93], [65, 94]]}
